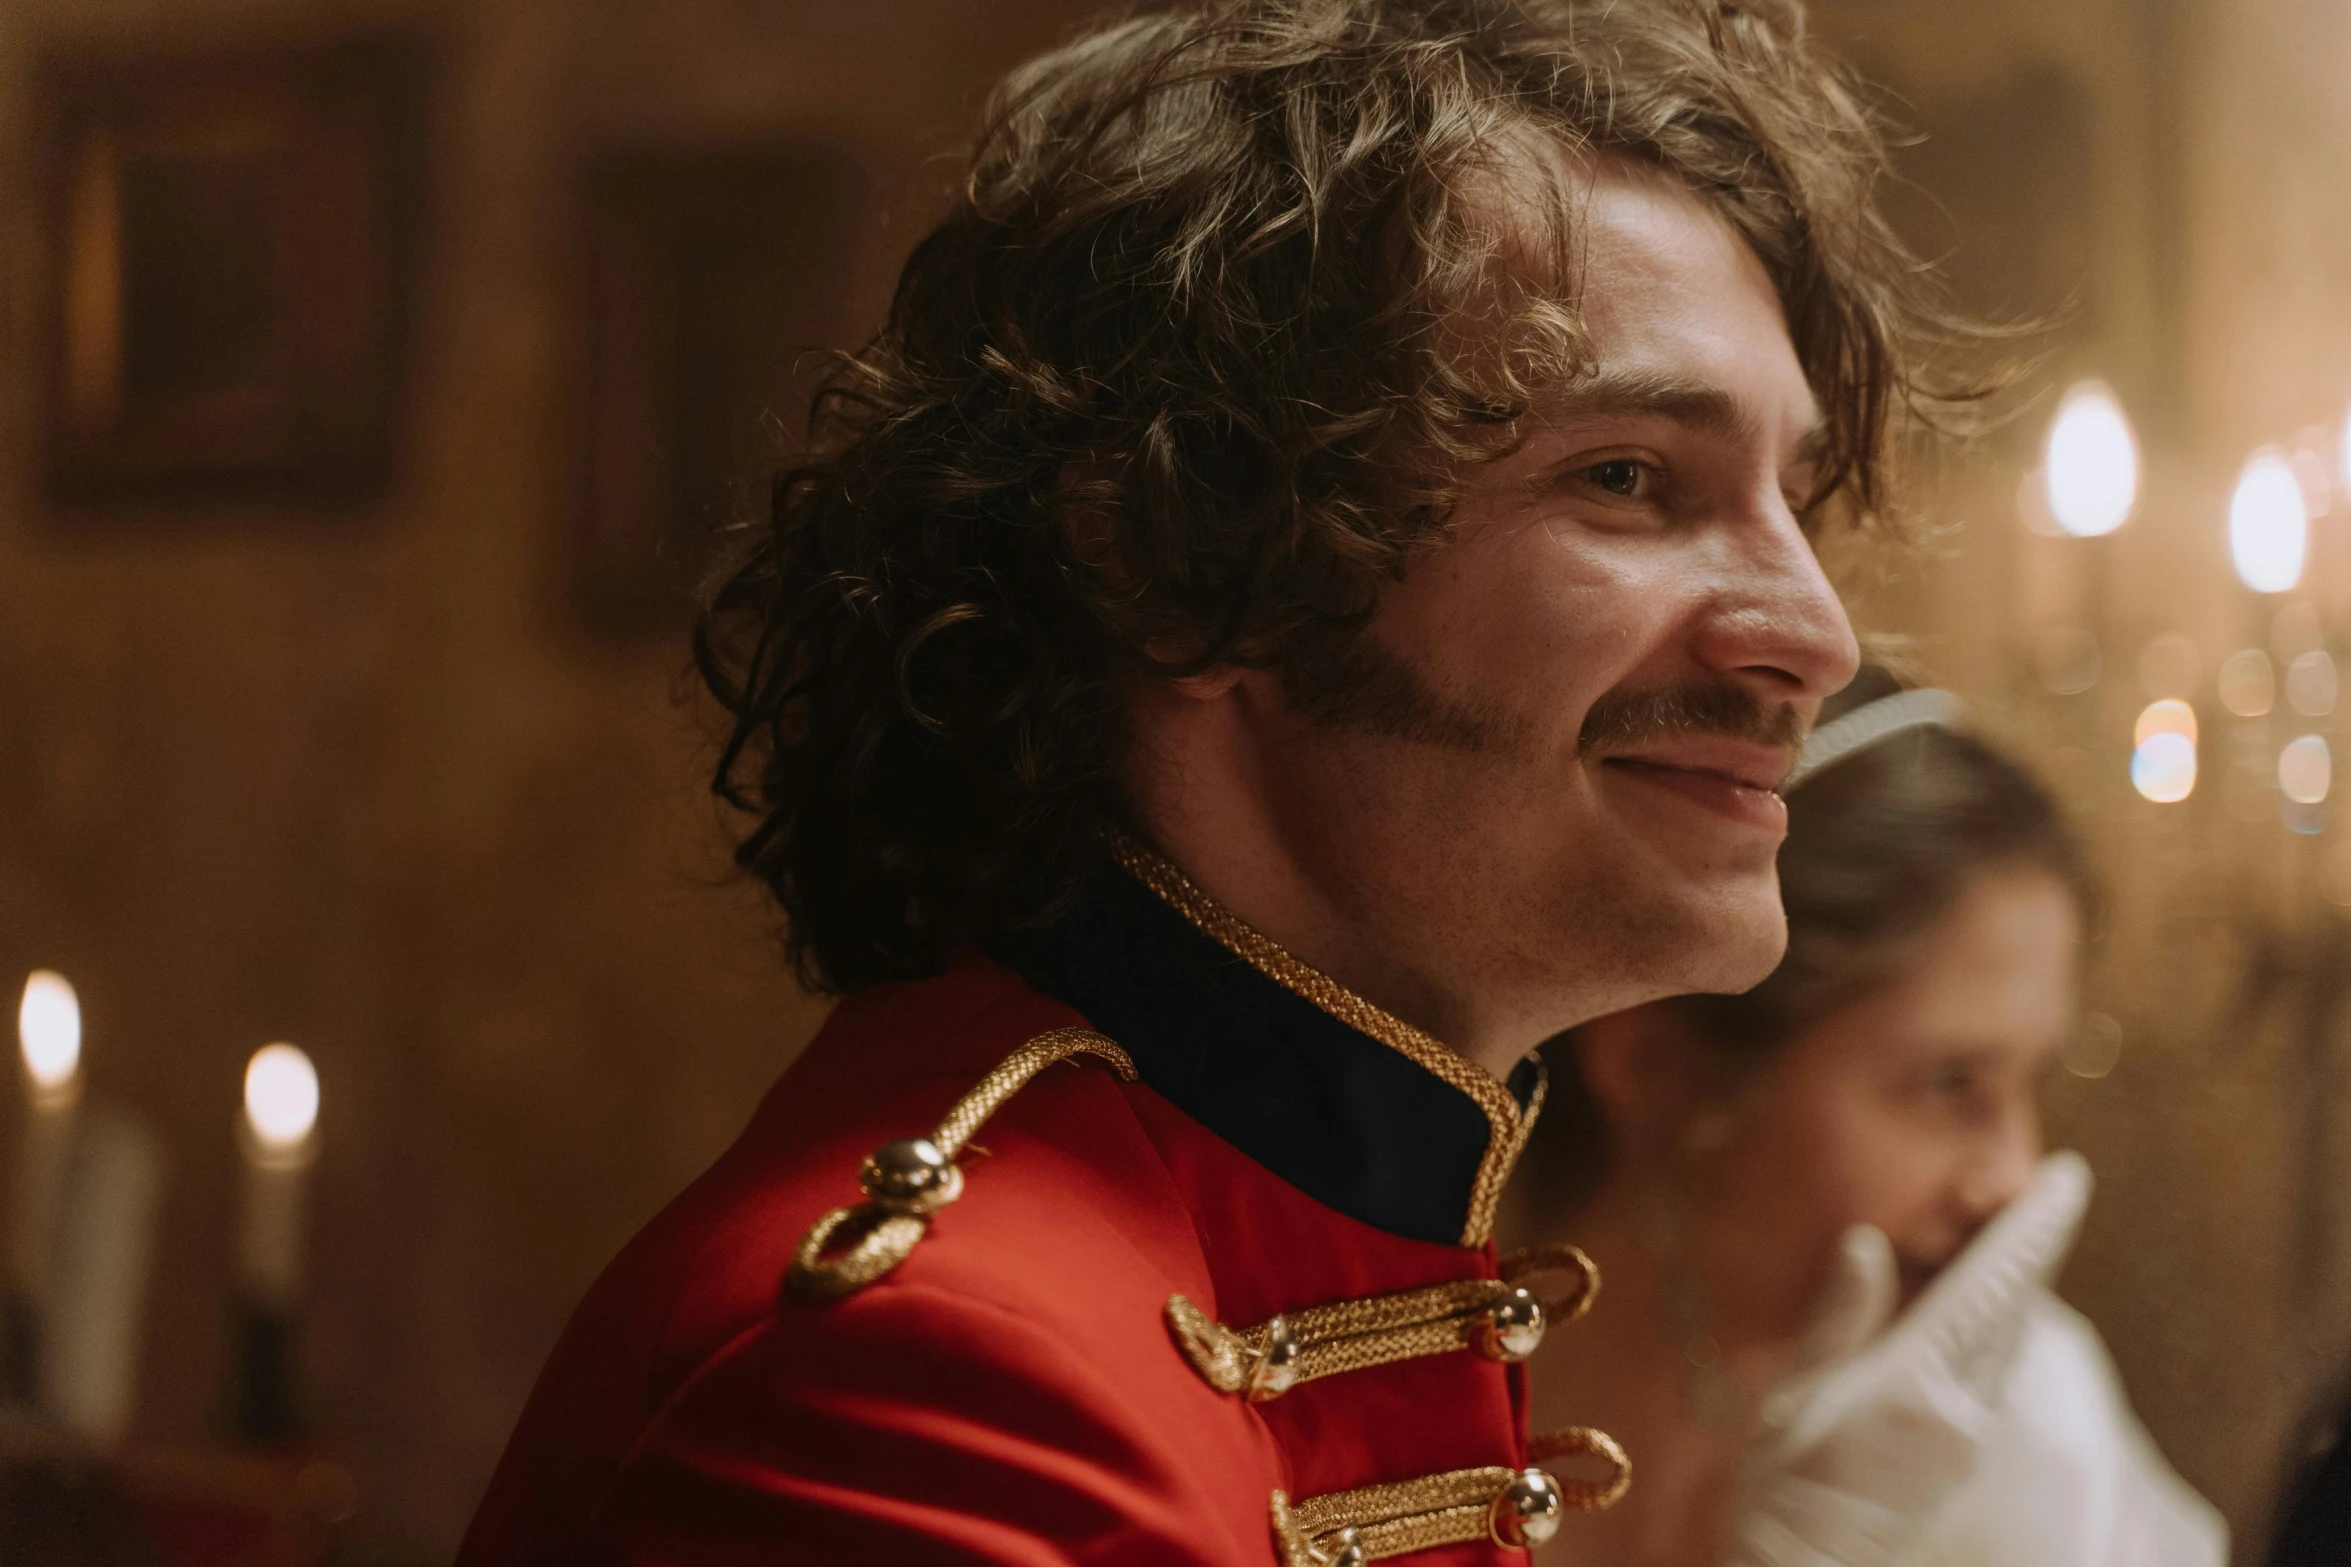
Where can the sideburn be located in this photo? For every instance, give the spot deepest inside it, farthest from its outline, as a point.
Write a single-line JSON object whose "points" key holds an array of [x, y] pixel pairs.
{"points": [[1365, 688]]}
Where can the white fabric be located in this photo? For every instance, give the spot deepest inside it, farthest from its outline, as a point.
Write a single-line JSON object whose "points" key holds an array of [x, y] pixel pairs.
{"points": [[2069, 1476], [1983, 1428]]}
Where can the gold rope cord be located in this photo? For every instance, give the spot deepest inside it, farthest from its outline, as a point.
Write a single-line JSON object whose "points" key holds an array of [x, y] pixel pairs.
{"points": [[987, 1096], [1507, 1126], [1404, 1516], [886, 1234], [1586, 1496], [1372, 1330], [1395, 1519], [1386, 1313]]}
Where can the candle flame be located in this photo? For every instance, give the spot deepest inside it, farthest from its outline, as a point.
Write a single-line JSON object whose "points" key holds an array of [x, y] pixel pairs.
{"points": [[2093, 462], [2269, 523], [281, 1097], [49, 1030]]}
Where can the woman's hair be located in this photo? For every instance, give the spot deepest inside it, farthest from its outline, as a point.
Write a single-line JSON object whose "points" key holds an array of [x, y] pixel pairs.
{"points": [[1231, 296], [1881, 846]]}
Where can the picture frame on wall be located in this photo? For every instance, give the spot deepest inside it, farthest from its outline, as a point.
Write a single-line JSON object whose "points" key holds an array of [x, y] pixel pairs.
{"points": [[233, 252]]}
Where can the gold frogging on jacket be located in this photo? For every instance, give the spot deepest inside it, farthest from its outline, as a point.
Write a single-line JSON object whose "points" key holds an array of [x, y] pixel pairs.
{"points": [[1514, 1508], [1501, 1319]]}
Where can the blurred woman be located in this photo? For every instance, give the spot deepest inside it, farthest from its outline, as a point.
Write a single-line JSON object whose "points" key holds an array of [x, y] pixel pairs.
{"points": [[1823, 1212]]}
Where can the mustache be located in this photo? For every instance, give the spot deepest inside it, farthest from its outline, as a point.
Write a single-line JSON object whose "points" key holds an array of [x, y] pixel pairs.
{"points": [[1711, 707]]}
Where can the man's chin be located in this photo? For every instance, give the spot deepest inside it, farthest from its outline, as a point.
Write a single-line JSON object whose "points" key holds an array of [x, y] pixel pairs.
{"points": [[1745, 956], [1712, 936]]}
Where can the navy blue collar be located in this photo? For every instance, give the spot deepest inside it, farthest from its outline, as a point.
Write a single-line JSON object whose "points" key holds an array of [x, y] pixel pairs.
{"points": [[1353, 1123]]}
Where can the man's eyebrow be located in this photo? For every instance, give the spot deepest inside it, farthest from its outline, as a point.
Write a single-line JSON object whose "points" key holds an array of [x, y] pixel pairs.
{"points": [[1650, 394], [1695, 405]]}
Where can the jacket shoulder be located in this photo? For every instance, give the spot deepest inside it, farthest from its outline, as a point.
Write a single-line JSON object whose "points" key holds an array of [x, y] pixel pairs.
{"points": [[1045, 1281], [1064, 1193]]}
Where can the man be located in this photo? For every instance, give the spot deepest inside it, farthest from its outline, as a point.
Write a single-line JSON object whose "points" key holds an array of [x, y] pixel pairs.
{"points": [[1309, 595]]}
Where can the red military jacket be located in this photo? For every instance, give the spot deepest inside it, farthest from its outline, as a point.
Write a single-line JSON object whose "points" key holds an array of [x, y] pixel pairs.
{"points": [[1214, 1286]]}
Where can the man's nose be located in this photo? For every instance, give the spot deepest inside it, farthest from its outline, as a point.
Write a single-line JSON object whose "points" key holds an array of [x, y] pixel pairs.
{"points": [[1777, 623]]}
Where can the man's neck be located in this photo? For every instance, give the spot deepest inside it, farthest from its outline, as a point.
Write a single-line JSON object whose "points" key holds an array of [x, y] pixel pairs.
{"points": [[1247, 868], [1196, 776]]}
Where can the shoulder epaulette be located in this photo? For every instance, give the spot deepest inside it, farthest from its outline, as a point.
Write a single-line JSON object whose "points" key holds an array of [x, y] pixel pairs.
{"points": [[908, 1180]]}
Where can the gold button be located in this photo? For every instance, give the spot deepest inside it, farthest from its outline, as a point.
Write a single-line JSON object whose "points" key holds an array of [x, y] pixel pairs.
{"points": [[1527, 1511], [1512, 1327]]}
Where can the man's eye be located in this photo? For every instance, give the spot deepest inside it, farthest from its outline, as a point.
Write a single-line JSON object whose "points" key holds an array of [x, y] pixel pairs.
{"points": [[1618, 476]]}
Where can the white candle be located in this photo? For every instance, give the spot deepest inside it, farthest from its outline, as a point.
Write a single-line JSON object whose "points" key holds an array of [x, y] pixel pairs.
{"points": [[278, 1134], [90, 1343], [49, 1047]]}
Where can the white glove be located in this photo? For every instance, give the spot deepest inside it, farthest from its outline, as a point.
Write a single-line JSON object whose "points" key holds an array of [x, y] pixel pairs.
{"points": [[1865, 1439]]}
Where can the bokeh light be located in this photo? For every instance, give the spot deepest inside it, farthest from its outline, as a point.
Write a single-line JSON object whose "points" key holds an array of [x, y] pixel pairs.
{"points": [[2305, 770], [2311, 685], [281, 1096], [2269, 524], [2093, 462], [2163, 768], [2068, 661], [2095, 1047], [2248, 684], [2168, 717], [49, 1029]]}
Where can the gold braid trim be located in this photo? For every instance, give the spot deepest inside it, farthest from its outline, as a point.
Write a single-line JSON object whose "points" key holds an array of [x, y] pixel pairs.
{"points": [[1507, 1126], [887, 1225], [1373, 1522], [1370, 1330], [1391, 1520], [1586, 1496]]}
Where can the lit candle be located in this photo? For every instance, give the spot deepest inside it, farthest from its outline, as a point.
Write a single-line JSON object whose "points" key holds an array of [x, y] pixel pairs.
{"points": [[278, 1134], [49, 1047]]}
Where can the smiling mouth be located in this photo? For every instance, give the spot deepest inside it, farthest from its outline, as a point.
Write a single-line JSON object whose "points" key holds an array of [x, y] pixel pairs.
{"points": [[1736, 798]]}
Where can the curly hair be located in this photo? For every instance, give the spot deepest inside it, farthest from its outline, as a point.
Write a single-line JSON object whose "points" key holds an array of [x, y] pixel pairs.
{"points": [[1230, 299]]}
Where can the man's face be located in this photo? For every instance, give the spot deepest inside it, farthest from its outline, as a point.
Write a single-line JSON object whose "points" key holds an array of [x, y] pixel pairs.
{"points": [[1550, 781]]}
